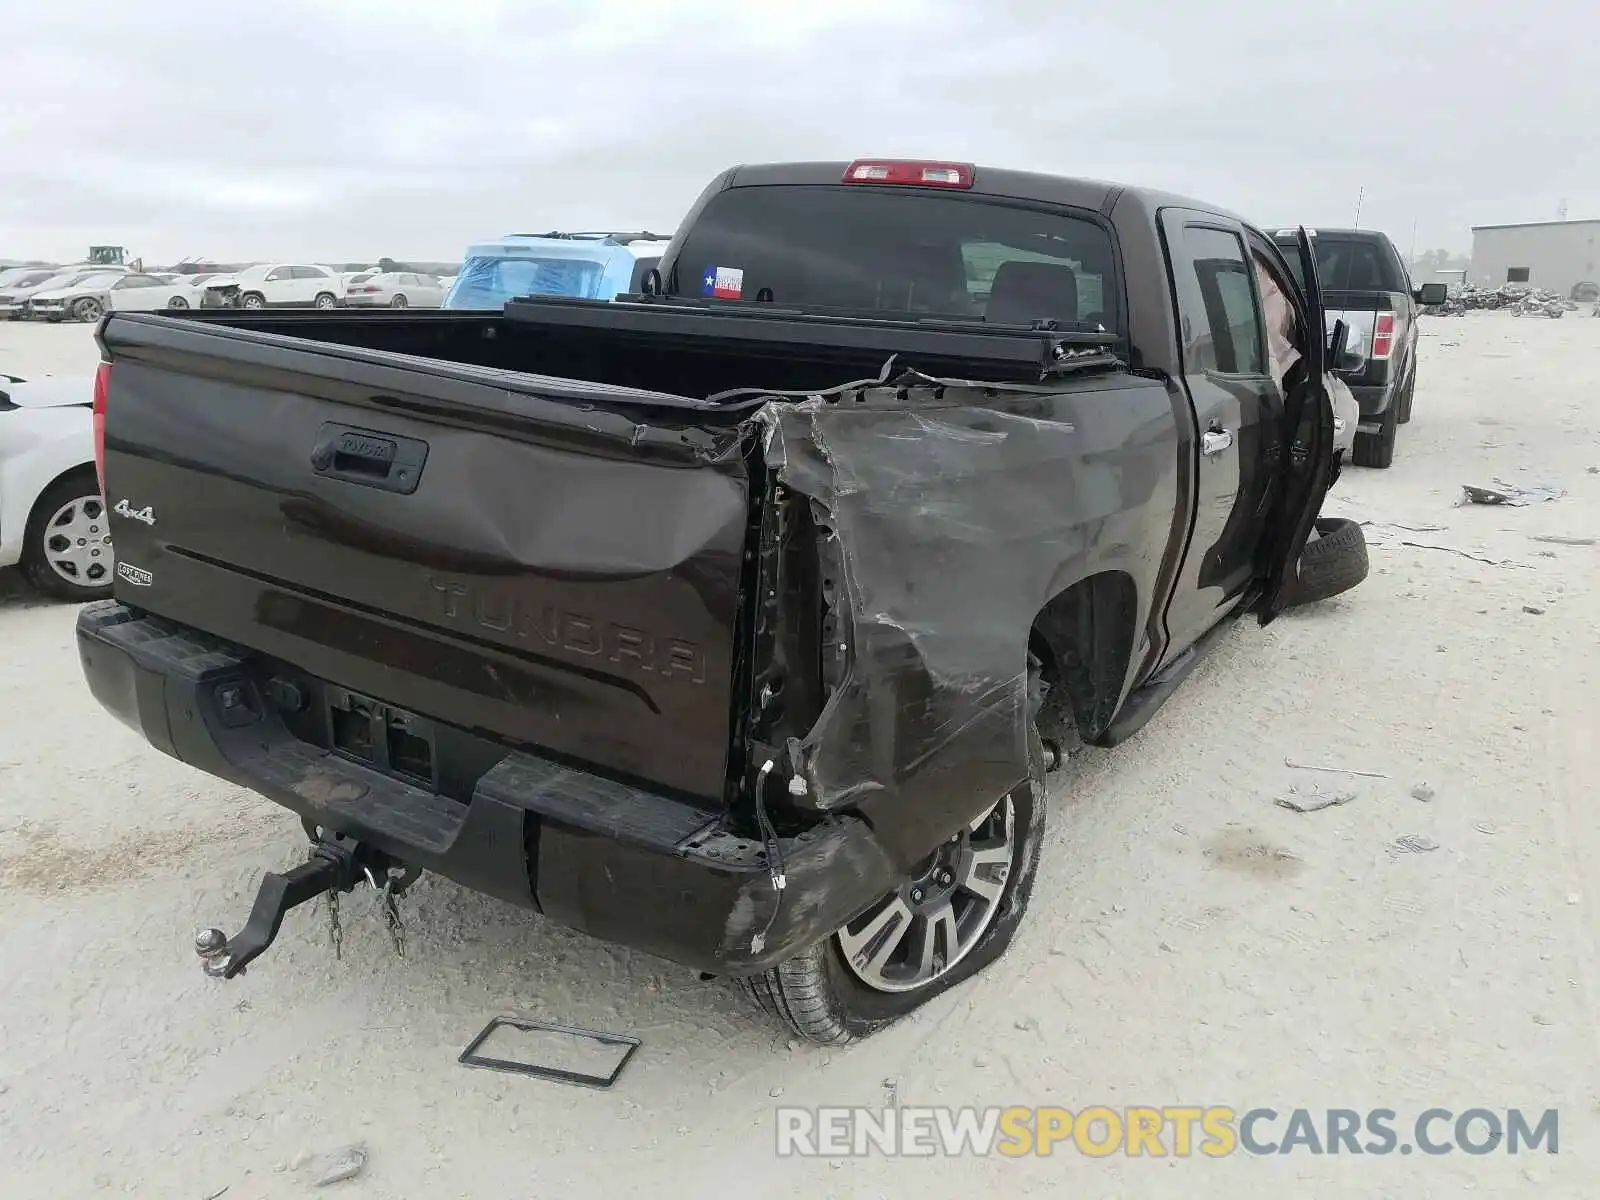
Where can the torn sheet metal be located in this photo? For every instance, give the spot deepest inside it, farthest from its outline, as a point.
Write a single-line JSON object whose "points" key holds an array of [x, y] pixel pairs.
{"points": [[957, 512]]}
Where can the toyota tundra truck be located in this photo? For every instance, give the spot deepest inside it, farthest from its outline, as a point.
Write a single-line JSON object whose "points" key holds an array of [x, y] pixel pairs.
{"points": [[740, 620]]}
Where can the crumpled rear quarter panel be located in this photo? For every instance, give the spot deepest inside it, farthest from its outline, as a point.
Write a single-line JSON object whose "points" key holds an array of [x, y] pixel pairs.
{"points": [[954, 523]]}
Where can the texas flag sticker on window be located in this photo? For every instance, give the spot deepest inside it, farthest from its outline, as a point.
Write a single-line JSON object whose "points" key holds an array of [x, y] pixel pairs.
{"points": [[725, 283]]}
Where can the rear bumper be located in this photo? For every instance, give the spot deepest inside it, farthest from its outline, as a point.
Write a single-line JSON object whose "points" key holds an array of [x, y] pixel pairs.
{"points": [[1373, 401], [612, 860]]}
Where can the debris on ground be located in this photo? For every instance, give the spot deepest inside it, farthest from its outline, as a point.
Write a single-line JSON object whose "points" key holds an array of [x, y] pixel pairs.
{"points": [[1519, 301], [1493, 562], [1294, 766], [1532, 611], [1315, 802], [1553, 539], [331, 1166], [1413, 843], [1509, 494], [1422, 792]]}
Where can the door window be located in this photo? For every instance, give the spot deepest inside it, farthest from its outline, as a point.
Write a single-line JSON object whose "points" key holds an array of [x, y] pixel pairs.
{"points": [[1217, 308]]}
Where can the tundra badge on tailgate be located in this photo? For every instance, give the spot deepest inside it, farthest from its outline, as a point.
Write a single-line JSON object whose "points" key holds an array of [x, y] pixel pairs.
{"points": [[145, 514]]}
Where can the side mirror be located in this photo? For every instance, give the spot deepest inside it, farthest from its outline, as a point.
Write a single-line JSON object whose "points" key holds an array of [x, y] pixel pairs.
{"points": [[1431, 294]]}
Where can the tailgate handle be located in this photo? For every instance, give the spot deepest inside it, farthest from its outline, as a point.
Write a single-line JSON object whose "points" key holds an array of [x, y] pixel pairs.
{"points": [[369, 457]]}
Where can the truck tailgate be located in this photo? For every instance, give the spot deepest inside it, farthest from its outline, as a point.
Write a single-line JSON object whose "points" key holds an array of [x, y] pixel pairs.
{"points": [[553, 566], [1358, 310]]}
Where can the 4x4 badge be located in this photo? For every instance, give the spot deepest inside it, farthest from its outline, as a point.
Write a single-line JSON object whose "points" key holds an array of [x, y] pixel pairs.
{"points": [[145, 514]]}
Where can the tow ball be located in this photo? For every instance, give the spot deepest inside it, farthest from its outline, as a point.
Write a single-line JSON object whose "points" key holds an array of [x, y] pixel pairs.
{"points": [[336, 864]]}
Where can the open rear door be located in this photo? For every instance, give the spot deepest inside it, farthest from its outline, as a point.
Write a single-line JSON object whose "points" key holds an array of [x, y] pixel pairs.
{"points": [[1308, 423]]}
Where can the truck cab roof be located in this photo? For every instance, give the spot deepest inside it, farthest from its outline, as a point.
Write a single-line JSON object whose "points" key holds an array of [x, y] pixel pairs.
{"points": [[1071, 191]]}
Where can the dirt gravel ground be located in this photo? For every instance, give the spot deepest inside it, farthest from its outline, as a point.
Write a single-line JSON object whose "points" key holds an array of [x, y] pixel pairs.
{"points": [[1190, 943]]}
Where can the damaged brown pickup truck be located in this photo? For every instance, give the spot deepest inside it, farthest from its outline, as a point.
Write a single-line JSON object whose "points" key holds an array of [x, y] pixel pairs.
{"points": [[738, 621]]}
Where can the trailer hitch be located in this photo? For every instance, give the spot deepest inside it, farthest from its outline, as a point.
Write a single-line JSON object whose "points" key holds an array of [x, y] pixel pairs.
{"points": [[336, 864]]}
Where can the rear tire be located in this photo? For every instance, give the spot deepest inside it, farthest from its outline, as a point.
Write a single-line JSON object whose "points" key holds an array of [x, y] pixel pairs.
{"points": [[822, 998], [1377, 449], [1334, 561], [53, 560], [324, 300], [399, 301]]}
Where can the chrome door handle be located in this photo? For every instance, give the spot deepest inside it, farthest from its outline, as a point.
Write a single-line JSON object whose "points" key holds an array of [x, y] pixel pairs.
{"points": [[1215, 441]]}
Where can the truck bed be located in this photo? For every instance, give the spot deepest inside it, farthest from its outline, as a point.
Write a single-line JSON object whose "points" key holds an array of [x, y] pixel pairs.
{"points": [[395, 503]]}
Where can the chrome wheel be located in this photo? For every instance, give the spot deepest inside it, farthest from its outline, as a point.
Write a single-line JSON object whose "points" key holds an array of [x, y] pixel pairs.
{"points": [[77, 543], [253, 302], [325, 301], [177, 302], [931, 922], [87, 310]]}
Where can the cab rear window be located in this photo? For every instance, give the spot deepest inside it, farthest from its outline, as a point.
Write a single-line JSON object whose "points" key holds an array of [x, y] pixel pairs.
{"points": [[899, 252], [1347, 264], [489, 282]]}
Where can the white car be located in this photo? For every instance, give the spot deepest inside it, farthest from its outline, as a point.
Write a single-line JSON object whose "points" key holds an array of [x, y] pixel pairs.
{"points": [[394, 289], [14, 296], [88, 298], [276, 285], [52, 519]]}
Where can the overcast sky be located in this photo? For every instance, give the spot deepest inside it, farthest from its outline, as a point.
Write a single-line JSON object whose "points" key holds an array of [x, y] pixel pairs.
{"points": [[351, 129]]}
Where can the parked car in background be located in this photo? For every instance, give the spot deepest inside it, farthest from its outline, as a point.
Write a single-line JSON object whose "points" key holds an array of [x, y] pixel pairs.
{"points": [[53, 523], [15, 275], [14, 295], [90, 297], [1365, 285], [395, 289], [276, 285], [595, 266], [196, 283]]}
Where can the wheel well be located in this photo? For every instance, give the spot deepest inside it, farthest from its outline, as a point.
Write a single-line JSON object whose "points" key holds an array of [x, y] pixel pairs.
{"points": [[86, 469], [1083, 640]]}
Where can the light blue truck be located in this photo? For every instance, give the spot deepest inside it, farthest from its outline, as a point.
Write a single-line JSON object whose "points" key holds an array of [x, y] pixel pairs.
{"points": [[596, 266]]}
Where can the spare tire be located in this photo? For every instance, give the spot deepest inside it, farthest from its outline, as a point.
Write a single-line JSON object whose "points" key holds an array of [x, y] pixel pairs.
{"points": [[1334, 561]]}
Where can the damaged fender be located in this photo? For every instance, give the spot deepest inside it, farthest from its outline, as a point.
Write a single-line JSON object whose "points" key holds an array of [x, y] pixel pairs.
{"points": [[955, 512]]}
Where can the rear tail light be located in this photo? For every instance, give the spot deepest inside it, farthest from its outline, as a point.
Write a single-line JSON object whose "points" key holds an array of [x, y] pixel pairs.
{"points": [[1383, 335], [102, 385], [910, 172]]}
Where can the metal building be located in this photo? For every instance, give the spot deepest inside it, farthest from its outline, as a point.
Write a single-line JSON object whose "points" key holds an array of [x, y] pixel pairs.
{"points": [[1557, 255]]}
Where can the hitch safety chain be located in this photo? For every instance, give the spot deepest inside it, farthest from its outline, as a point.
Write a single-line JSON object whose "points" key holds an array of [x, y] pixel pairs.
{"points": [[336, 864]]}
